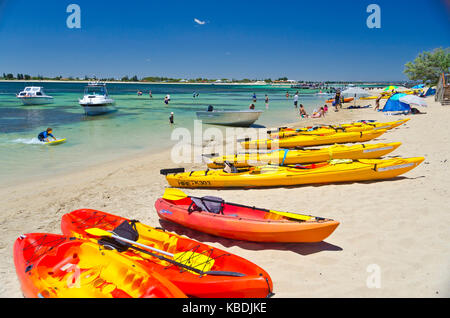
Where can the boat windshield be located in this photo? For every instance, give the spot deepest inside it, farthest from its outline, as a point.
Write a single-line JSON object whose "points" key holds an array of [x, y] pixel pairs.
{"points": [[95, 90]]}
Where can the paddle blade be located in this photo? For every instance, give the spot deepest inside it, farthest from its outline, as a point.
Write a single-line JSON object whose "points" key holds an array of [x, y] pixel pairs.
{"points": [[292, 215], [174, 194], [98, 232]]}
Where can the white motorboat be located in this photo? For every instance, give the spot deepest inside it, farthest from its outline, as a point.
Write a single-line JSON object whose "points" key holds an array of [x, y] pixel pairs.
{"points": [[96, 100], [240, 118], [34, 95]]}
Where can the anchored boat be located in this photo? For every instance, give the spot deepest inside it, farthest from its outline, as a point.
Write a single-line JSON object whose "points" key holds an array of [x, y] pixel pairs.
{"points": [[34, 95], [96, 100], [240, 118]]}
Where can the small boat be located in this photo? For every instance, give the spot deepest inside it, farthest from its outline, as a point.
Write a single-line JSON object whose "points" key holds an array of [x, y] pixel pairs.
{"points": [[333, 171], [34, 95], [235, 221], [96, 100], [56, 266], [219, 273], [240, 118], [289, 157], [308, 140]]}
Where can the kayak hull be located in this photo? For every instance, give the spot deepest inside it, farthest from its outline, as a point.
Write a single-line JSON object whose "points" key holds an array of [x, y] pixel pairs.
{"points": [[255, 284], [272, 176], [55, 266], [245, 223], [288, 157]]}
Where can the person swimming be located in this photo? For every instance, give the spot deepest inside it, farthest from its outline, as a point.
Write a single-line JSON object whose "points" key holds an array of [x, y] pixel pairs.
{"points": [[254, 97], [252, 106], [43, 136], [210, 108]]}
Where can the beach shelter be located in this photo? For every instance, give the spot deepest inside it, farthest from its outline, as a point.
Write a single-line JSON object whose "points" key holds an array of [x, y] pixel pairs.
{"points": [[355, 92], [390, 88], [413, 100], [393, 104], [420, 86]]}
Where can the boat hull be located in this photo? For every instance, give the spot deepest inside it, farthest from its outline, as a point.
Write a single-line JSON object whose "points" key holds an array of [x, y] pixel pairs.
{"points": [[229, 118], [28, 101]]}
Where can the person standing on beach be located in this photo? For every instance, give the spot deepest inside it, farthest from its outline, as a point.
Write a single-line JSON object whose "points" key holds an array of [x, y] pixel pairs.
{"points": [[337, 100], [267, 101], [171, 118], [296, 99], [377, 103]]}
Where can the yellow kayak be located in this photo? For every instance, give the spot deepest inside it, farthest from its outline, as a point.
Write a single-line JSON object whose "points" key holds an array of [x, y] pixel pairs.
{"points": [[313, 140], [330, 129], [288, 157], [340, 170]]}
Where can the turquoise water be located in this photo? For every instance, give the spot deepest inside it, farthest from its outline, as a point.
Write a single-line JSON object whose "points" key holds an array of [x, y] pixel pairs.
{"points": [[140, 124]]}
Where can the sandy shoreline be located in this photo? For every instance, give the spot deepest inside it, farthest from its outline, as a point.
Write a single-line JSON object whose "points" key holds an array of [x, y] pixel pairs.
{"points": [[401, 225]]}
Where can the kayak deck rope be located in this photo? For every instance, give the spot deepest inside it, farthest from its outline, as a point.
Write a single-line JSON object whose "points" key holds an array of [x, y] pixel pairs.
{"points": [[40, 247]]}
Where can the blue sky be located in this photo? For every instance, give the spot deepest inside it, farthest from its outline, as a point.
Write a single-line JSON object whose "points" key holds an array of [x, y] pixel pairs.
{"points": [[303, 40]]}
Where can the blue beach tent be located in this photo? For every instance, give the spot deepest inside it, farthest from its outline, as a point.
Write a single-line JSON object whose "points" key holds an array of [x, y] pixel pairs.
{"points": [[418, 86], [393, 104]]}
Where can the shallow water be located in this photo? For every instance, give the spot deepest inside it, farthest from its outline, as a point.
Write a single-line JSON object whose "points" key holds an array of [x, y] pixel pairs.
{"points": [[141, 123]]}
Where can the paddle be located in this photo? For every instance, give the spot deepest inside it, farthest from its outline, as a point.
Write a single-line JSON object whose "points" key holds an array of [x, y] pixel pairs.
{"points": [[174, 194], [100, 232]]}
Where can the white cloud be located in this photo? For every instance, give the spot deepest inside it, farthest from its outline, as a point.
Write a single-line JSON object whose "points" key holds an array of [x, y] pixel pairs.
{"points": [[199, 22]]}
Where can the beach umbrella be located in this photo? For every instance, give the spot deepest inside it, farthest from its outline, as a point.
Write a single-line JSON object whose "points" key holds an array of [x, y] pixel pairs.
{"points": [[413, 100], [390, 88], [418, 86], [355, 92]]}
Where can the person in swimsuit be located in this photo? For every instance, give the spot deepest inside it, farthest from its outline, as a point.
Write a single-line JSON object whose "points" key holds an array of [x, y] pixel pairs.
{"points": [[254, 97], [267, 101], [171, 118], [303, 113], [252, 106], [43, 136]]}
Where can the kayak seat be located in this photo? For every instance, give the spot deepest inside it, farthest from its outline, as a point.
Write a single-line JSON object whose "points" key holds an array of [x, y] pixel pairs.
{"points": [[209, 204]]}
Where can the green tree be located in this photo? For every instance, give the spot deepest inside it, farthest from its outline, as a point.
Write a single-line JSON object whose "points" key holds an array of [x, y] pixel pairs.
{"points": [[427, 66]]}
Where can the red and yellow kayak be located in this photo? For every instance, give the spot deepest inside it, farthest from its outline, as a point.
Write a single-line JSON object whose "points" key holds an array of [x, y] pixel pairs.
{"points": [[223, 281], [241, 222], [56, 266]]}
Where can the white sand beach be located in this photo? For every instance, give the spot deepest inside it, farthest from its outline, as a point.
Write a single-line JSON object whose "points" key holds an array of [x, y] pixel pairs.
{"points": [[400, 225]]}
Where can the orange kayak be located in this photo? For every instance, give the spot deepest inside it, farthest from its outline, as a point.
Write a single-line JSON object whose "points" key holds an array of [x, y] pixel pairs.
{"points": [[55, 266], [223, 274], [246, 223], [346, 100]]}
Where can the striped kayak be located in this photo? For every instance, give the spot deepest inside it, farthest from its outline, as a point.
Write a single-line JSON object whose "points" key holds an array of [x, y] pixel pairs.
{"points": [[290, 156], [222, 274], [56, 266], [338, 170], [313, 140], [240, 222], [330, 129]]}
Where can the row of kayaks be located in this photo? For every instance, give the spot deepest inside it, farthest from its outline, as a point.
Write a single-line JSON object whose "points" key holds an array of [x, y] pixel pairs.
{"points": [[104, 255], [289, 166]]}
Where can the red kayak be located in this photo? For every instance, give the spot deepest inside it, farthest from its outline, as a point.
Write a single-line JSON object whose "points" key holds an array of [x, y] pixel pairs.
{"points": [[217, 273], [214, 216], [55, 266]]}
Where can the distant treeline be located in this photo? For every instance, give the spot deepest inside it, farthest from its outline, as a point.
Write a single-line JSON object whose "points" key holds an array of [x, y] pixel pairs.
{"points": [[159, 79]]}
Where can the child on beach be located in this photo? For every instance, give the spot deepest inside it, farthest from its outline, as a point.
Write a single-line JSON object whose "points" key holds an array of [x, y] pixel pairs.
{"points": [[303, 113], [43, 136], [287, 95]]}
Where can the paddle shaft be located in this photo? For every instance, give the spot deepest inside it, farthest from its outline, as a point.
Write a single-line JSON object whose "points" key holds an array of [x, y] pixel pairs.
{"points": [[215, 273]]}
